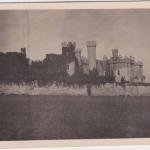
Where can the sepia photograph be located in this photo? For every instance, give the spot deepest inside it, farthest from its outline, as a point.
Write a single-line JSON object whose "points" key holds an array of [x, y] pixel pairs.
{"points": [[74, 74]]}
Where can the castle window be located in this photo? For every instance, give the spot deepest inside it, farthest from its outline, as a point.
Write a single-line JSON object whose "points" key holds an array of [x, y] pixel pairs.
{"points": [[118, 72]]}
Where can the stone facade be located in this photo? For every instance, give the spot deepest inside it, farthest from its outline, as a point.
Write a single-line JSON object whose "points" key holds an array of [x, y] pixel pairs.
{"points": [[71, 61], [14, 66], [126, 68]]}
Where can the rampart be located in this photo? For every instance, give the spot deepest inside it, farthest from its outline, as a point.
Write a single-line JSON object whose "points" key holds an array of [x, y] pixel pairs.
{"points": [[103, 90]]}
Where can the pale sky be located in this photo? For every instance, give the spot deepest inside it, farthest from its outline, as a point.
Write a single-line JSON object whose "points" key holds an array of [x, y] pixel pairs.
{"points": [[42, 31]]}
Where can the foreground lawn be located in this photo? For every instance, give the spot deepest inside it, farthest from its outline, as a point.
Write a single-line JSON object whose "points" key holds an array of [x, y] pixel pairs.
{"points": [[65, 117]]}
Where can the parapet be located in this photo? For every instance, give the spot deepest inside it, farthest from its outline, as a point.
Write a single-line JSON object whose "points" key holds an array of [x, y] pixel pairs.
{"points": [[91, 43], [115, 50], [64, 44], [68, 44]]}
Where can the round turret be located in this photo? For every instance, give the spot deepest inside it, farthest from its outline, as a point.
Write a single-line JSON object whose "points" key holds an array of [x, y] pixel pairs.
{"points": [[91, 50]]}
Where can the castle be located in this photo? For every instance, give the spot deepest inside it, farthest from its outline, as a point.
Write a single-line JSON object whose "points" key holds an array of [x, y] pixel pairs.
{"points": [[15, 66], [123, 69]]}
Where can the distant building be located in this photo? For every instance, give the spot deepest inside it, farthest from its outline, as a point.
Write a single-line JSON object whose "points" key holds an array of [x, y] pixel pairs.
{"points": [[72, 57], [52, 68], [37, 70], [14, 65], [121, 68], [55, 63]]}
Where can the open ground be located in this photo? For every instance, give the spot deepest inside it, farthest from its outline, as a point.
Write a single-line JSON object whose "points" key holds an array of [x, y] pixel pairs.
{"points": [[24, 117]]}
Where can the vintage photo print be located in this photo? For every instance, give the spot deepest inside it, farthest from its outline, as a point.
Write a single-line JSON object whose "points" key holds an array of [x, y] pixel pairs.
{"points": [[74, 74]]}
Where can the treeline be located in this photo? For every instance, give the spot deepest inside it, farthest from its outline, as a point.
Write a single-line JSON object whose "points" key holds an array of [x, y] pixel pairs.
{"points": [[43, 78], [15, 68]]}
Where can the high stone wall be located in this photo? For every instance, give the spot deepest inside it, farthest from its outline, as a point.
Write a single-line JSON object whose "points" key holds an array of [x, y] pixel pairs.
{"points": [[106, 90]]}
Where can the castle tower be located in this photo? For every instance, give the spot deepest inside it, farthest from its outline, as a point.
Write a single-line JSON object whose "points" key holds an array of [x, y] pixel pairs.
{"points": [[115, 53], [91, 50], [78, 55], [68, 49]]}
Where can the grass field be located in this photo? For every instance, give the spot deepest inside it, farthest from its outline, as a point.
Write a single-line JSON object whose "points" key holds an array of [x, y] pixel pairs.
{"points": [[65, 117]]}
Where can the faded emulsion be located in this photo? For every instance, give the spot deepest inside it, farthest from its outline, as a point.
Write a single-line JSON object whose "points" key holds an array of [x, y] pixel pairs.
{"points": [[69, 95]]}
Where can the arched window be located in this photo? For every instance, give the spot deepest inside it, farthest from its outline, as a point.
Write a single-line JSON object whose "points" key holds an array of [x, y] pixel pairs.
{"points": [[118, 72]]}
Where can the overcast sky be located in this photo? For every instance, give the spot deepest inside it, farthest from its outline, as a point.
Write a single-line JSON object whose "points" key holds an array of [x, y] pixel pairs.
{"points": [[42, 32]]}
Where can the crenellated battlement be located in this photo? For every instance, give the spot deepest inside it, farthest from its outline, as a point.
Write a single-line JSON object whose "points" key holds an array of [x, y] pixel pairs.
{"points": [[68, 44], [91, 43]]}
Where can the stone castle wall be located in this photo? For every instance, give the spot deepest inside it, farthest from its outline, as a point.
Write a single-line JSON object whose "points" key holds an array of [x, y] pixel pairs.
{"points": [[106, 90]]}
